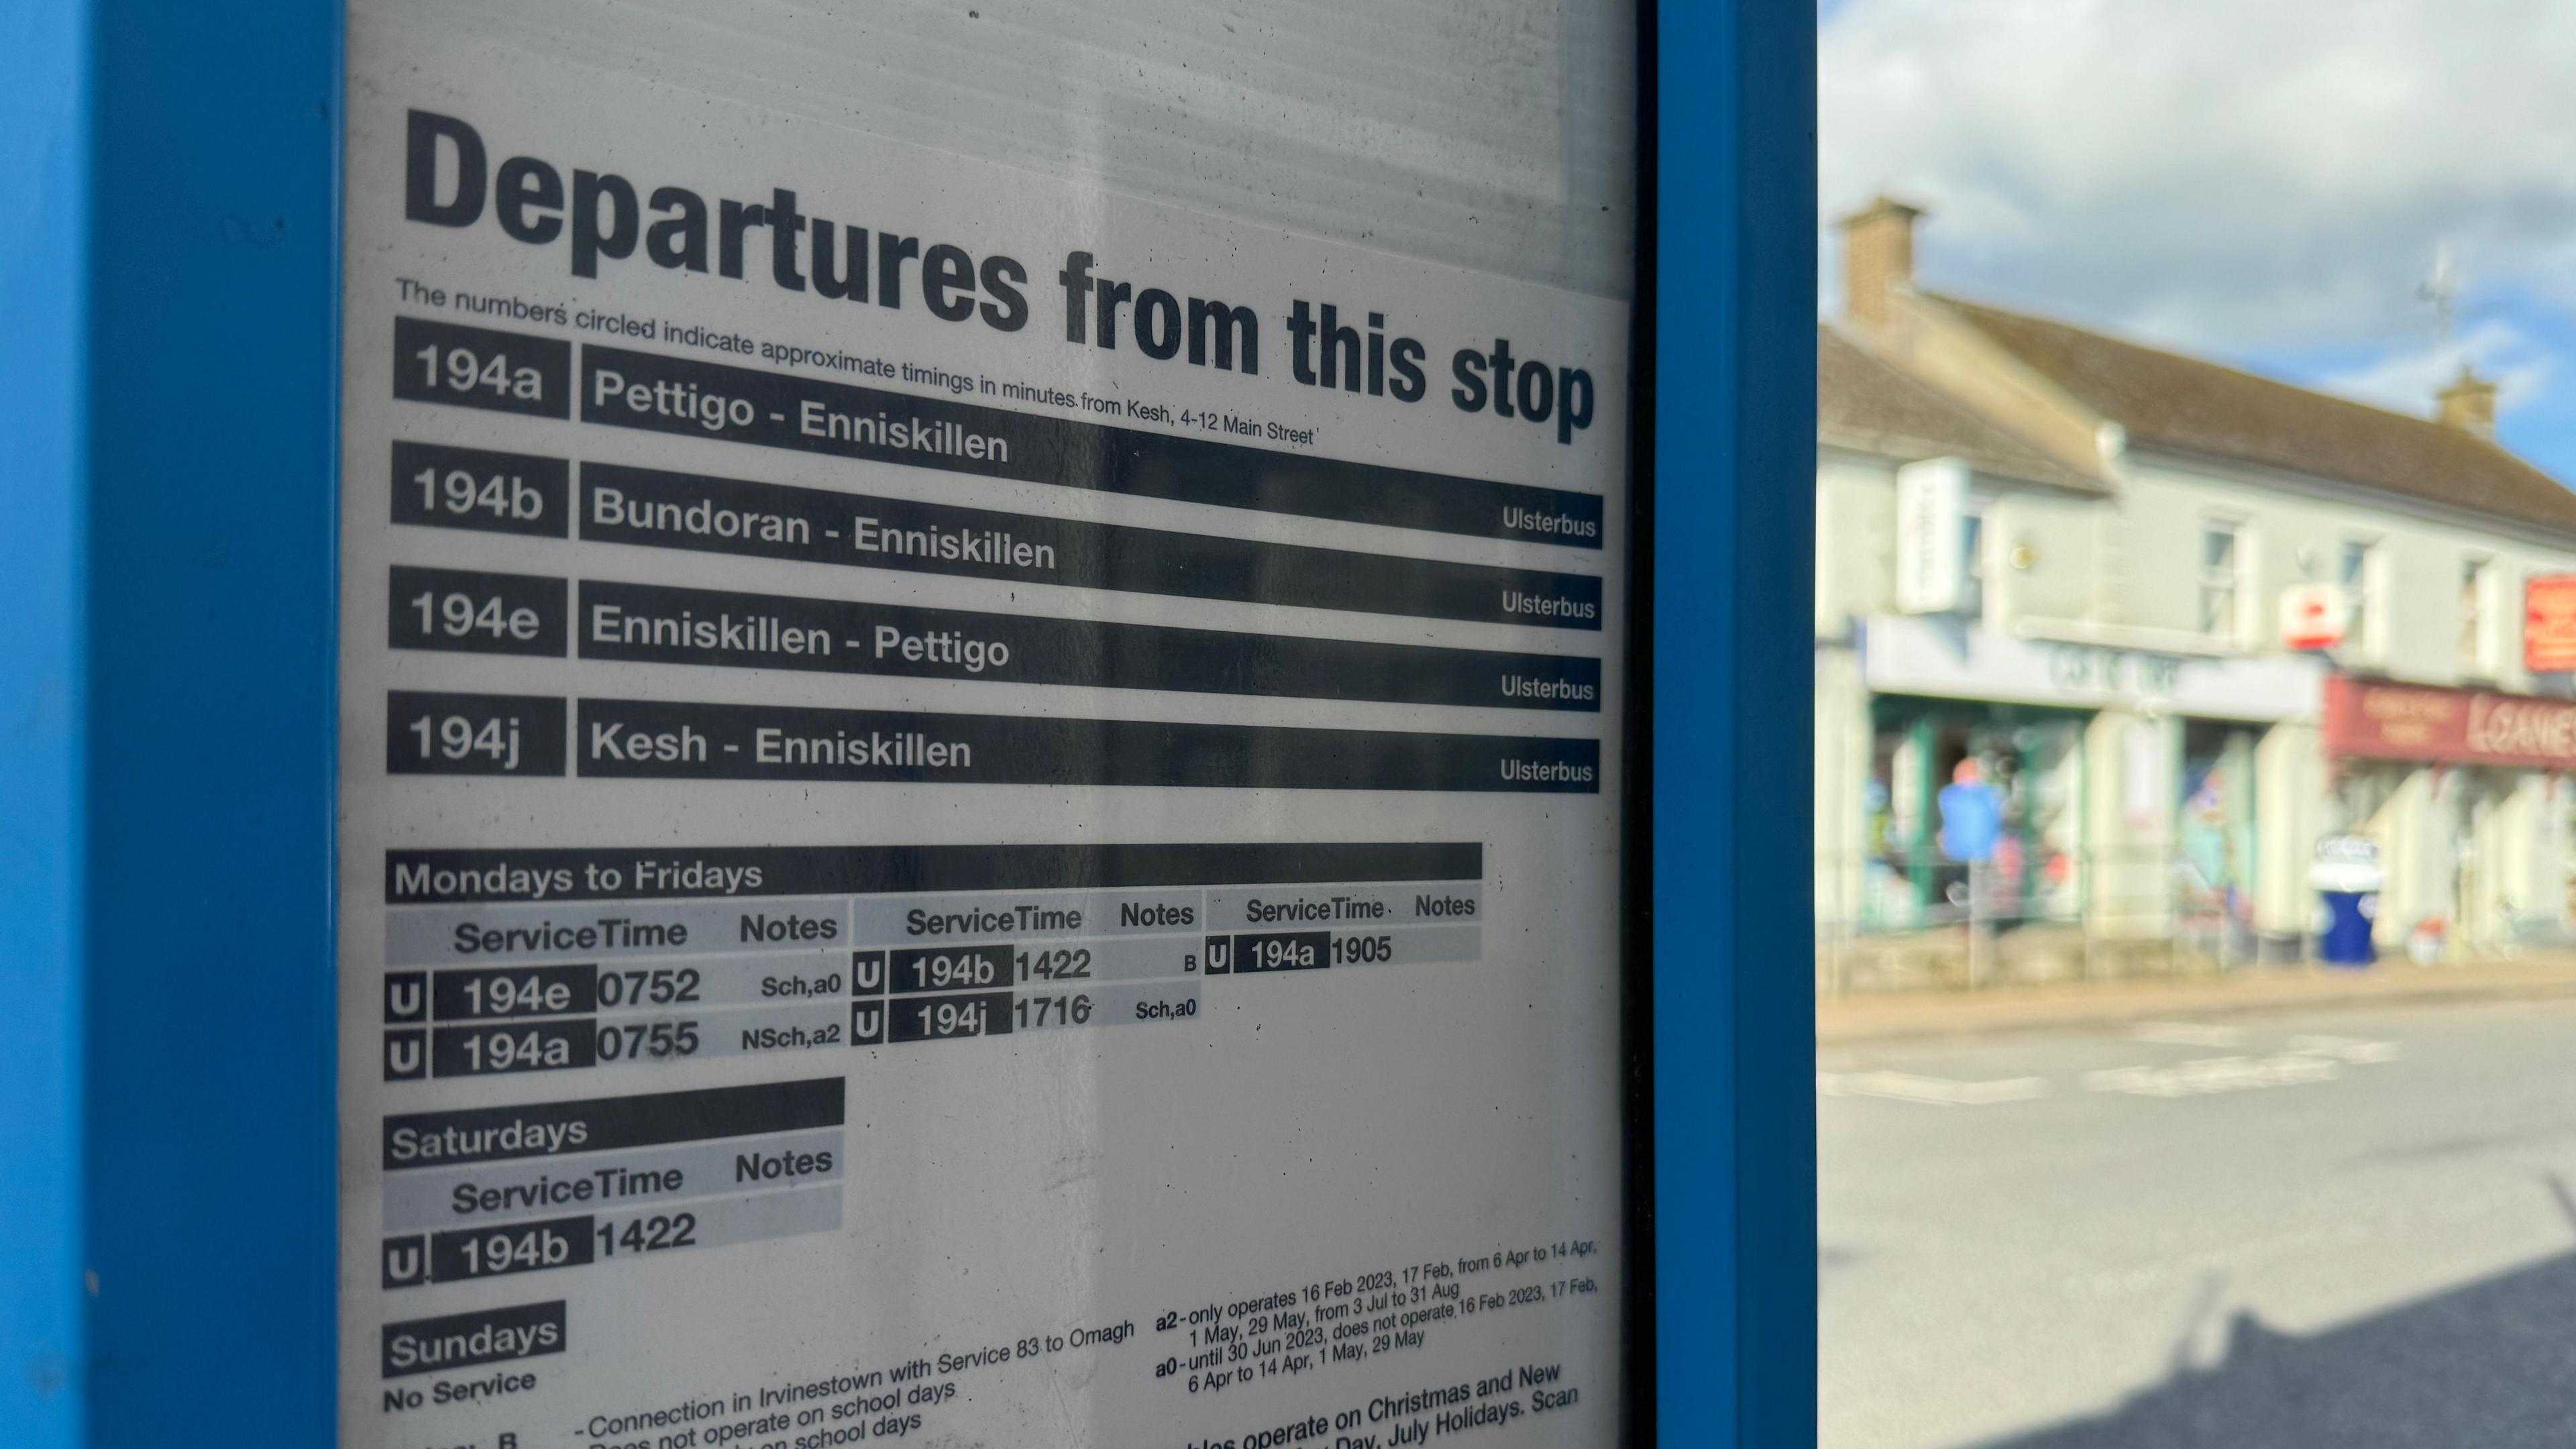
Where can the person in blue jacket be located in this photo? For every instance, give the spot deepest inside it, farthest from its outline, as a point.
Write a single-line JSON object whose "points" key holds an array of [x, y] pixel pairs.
{"points": [[1972, 814]]}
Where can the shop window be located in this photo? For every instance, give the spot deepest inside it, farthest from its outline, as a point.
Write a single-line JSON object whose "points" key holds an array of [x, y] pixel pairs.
{"points": [[2359, 792], [1972, 562], [2477, 643], [2222, 584], [2357, 571]]}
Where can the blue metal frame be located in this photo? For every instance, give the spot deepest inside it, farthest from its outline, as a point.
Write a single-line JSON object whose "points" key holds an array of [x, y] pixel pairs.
{"points": [[43, 179], [1732, 384], [169, 264], [212, 396]]}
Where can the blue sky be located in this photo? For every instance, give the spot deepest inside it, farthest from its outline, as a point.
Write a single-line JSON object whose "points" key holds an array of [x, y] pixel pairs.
{"points": [[2266, 182]]}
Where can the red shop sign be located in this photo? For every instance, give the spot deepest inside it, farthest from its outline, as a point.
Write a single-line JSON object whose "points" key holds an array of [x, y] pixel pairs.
{"points": [[2373, 720], [2549, 623]]}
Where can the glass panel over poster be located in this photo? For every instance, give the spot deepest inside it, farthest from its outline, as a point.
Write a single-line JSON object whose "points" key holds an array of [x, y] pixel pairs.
{"points": [[983, 664]]}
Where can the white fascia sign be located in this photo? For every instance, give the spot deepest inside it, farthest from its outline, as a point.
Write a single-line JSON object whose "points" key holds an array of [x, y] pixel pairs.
{"points": [[1956, 659]]}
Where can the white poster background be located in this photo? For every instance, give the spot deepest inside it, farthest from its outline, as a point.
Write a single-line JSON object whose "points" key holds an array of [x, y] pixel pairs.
{"points": [[1302, 1130]]}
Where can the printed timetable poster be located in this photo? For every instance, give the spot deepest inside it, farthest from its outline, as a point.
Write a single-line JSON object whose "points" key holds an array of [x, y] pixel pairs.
{"points": [[976, 811]]}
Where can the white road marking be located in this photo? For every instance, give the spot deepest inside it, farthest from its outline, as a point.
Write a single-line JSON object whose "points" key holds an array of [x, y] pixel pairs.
{"points": [[1934, 1091], [2346, 1048], [2216, 1074], [2308, 1059], [2188, 1033]]}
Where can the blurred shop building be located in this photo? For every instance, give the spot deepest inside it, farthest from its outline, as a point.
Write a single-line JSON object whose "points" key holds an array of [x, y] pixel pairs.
{"points": [[2109, 639]]}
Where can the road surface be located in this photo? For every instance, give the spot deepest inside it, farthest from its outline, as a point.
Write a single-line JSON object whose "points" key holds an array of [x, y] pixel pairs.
{"points": [[2353, 1228]]}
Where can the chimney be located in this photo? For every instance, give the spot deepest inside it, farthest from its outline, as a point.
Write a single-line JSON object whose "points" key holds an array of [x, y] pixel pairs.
{"points": [[1878, 258], [2468, 404]]}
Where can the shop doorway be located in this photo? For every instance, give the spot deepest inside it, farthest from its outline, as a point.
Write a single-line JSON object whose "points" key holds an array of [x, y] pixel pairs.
{"points": [[2032, 759], [2476, 811], [2214, 840]]}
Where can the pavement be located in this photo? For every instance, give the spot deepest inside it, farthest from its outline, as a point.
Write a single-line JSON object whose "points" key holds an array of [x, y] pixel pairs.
{"points": [[1897, 1016], [2286, 1213]]}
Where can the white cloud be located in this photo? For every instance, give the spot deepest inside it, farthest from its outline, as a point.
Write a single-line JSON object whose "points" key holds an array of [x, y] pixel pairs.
{"points": [[2225, 175], [2406, 380]]}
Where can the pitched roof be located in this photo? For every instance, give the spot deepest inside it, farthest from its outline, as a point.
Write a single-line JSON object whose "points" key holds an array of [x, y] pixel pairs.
{"points": [[2183, 403], [1868, 404]]}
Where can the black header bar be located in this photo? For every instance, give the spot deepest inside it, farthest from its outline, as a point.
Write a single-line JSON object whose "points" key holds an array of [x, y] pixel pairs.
{"points": [[462, 1340], [443, 487], [472, 612], [634, 739], [478, 367], [658, 624], [428, 733], [657, 509], [621, 388], [603, 1124], [438, 877]]}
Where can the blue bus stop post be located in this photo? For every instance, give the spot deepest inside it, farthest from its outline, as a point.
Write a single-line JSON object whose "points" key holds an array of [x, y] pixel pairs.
{"points": [[212, 395], [1733, 402], [43, 179]]}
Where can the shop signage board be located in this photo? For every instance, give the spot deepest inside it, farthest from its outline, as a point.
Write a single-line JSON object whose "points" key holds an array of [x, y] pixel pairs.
{"points": [[2346, 863], [1931, 506], [2549, 623], [1955, 659], [2314, 616], [2374, 719], [972, 809]]}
